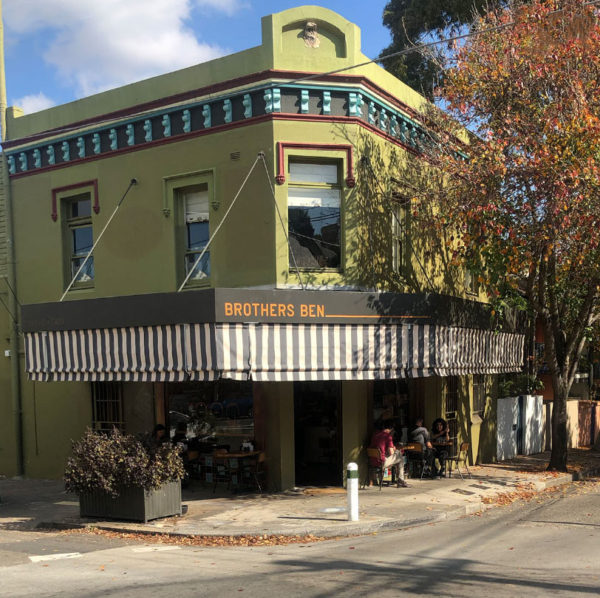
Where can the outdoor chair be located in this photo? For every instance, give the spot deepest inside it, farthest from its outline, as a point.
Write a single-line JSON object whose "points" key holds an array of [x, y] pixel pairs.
{"points": [[373, 453], [417, 459], [460, 457], [254, 471]]}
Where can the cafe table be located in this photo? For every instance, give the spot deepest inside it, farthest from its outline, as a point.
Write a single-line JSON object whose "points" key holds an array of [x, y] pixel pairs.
{"points": [[233, 467]]}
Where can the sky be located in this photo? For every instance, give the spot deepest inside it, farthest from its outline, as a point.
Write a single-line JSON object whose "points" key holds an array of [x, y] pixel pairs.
{"points": [[57, 51]]}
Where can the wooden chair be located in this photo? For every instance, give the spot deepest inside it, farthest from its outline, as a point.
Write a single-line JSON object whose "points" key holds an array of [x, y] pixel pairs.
{"points": [[373, 453], [254, 471], [416, 458], [460, 457]]}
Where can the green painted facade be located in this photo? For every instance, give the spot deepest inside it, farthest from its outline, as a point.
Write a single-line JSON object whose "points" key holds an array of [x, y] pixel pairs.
{"points": [[141, 250]]}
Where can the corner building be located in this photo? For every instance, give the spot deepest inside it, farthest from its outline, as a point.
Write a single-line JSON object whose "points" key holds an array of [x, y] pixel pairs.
{"points": [[248, 275]]}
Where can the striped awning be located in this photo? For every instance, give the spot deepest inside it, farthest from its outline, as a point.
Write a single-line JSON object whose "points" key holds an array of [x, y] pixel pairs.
{"points": [[135, 354], [269, 352]]}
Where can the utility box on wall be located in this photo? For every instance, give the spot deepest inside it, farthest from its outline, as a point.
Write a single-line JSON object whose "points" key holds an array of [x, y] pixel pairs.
{"points": [[506, 429], [520, 428]]}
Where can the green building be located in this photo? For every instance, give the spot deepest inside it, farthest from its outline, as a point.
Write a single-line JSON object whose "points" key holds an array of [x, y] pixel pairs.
{"points": [[254, 273]]}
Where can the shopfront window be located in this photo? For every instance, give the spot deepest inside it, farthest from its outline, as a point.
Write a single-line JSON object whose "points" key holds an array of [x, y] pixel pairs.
{"points": [[107, 406], [211, 414], [391, 403]]}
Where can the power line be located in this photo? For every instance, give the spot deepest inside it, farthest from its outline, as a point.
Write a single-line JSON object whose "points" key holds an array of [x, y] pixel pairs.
{"points": [[89, 254], [202, 253], [285, 231], [420, 47], [381, 58]]}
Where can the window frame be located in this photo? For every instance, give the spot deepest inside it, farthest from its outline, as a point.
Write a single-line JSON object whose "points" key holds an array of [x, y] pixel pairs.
{"points": [[479, 394], [338, 162], [471, 282], [107, 399], [69, 224], [400, 237], [451, 403], [173, 187]]}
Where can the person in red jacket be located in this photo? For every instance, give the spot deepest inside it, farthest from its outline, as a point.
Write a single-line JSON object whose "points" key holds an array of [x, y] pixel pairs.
{"points": [[389, 455]]}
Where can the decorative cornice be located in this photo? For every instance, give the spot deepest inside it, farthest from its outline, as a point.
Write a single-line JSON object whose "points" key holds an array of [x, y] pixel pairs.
{"points": [[310, 102], [222, 86]]}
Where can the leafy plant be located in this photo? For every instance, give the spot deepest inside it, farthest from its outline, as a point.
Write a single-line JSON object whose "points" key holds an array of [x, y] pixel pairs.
{"points": [[110, 462], [520, 384]]}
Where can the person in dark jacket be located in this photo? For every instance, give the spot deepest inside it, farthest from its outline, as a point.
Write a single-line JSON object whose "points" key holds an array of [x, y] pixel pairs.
{"points": [[421, 435], [440, 438]]}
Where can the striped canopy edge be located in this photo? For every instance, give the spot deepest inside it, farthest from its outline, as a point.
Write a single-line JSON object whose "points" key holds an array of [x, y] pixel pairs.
{"points": [[269, 352]]}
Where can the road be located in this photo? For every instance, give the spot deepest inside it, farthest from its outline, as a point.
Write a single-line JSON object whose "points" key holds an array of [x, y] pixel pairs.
{"points": [[548, 546]]}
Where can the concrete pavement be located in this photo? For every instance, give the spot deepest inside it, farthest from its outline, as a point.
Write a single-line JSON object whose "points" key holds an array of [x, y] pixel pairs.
{"points": [[27, 504]]}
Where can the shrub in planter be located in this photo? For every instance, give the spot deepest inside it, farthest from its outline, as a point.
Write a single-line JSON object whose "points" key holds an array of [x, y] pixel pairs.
{"points": [[104, 468]]}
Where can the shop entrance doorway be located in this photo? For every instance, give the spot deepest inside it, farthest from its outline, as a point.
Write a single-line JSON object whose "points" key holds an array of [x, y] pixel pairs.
{"points": [[318, 433]]}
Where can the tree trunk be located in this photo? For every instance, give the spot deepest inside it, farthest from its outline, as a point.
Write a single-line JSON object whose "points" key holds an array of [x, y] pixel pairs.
{"points": [[558, 456]]}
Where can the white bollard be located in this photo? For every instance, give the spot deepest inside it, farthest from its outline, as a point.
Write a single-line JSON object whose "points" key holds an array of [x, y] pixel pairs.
{"points": [[352, 488]]}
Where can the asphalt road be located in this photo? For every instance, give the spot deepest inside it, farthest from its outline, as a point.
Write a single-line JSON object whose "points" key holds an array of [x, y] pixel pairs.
{"points": [[548, 546]]}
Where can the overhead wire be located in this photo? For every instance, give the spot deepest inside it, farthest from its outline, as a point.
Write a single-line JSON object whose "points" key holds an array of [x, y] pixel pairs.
{"points": [[378, 59], [285, 232], [87, 257], [210, 240], [421, 47]]}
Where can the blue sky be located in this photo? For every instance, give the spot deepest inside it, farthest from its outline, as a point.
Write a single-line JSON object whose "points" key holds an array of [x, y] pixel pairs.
{"points": [[60, 50]]}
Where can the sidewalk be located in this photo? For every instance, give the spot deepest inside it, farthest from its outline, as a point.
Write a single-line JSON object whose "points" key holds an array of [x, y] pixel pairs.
{"points": [[27, 504]]}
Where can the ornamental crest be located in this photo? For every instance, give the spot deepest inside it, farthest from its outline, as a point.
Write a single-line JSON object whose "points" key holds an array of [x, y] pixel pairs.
{"points": [[311, 38]]}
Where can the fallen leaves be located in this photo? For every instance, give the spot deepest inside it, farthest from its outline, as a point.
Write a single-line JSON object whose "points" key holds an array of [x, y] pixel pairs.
{"points": [[210, 541], [524, 493]]}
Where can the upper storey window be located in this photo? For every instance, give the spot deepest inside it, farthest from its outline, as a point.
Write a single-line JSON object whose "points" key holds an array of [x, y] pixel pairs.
{"points": [[80, 238], [195, 204], [314, 218]]}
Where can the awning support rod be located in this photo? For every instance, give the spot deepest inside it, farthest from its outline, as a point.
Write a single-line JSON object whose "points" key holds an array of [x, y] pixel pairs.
{"points": [[87, 257], [282, 223], [189, 274]]}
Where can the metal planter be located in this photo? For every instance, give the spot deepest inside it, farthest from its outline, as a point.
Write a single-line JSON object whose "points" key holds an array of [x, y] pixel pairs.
{"points": [[133, 504]]}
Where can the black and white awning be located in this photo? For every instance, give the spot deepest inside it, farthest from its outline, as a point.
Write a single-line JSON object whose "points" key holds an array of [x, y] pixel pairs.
{"points": [[269, 352]]}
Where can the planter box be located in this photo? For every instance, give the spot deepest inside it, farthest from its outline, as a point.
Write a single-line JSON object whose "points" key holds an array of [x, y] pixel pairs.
{"points": [[133, 504]]}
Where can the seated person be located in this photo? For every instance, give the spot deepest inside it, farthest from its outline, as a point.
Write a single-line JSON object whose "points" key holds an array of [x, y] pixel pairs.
{"points": [[440, 433], [389, 455], [156, 438], [420, 434], [180, 434]]}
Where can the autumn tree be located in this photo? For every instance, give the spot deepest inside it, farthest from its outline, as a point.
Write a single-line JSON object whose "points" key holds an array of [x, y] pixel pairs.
{"points": [[520, 199]]}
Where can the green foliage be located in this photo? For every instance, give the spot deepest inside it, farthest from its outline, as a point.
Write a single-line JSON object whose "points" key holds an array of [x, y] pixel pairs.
{"points": [[416, 21], [519, 384], [110, 462]]}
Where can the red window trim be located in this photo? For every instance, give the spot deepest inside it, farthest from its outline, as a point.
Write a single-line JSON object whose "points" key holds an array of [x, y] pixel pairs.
{"points": [[282, 146], [93, 183]]}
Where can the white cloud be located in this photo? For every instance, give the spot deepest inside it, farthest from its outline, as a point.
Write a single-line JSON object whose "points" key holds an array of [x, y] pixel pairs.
{"points": [[34, 102], [227, 6], [99, 44]]}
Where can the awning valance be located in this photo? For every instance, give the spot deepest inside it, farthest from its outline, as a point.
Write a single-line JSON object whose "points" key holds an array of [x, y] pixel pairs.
{"points": [[269, 352]]}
